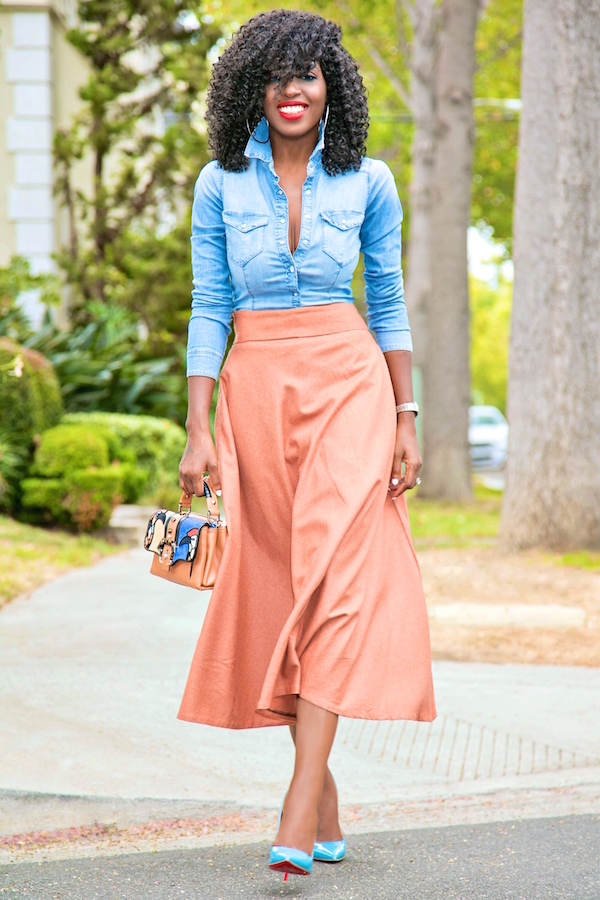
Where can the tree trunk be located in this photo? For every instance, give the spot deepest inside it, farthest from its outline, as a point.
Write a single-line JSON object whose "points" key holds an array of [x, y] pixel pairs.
{"points": [[447, 469], [552, 497], [422, 101]]}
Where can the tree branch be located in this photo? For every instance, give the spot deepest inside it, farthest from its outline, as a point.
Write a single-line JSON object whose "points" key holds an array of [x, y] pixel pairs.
{"points": [[377, 58], [138, 205], [386, 70], [126, 107], [401, 36], [411, 11]]}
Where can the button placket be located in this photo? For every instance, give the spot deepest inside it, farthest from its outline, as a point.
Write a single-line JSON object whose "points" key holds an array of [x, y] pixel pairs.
{"points": [[306, 222], [281, 218]]}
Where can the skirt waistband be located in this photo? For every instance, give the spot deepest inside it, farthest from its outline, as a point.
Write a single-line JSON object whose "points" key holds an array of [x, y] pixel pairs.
{"points": [[296, 322]]}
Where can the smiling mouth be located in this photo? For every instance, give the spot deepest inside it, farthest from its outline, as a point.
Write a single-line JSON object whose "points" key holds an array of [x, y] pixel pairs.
{"points": [[292, 110]]}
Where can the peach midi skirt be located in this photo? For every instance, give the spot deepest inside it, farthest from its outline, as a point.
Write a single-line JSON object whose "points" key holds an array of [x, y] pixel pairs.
{"points": [[319, 593]]}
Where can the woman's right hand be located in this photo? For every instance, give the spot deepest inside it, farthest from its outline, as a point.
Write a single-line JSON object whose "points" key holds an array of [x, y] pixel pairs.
{"points": [[199, 457]]}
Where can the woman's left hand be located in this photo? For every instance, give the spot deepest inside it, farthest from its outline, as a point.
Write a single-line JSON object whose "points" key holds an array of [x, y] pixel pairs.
{"points": [[407, 452]]}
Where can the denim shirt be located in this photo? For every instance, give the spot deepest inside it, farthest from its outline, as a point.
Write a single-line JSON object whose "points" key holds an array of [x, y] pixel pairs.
{"points": [[241, 258]]}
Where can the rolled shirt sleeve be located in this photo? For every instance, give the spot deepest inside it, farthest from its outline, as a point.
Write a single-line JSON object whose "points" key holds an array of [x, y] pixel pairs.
{"points": [[381, 245], [212, 297]]}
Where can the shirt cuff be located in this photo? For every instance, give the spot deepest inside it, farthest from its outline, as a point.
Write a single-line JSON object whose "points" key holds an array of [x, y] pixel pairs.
{"points": [[208, 364], [393, 340]]}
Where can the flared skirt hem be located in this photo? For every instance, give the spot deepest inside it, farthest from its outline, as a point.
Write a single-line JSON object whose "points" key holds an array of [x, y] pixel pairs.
{"points": [[319, 593]]}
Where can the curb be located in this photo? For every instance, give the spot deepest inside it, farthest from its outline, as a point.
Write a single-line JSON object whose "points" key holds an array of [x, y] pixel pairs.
{"points": [[109, 826]]}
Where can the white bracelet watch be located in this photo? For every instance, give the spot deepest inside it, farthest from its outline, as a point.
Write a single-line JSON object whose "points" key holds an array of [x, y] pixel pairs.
{"points": [[408, 407]]}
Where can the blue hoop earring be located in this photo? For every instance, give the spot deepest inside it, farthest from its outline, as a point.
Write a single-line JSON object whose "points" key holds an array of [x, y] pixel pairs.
{"points": [[252, 135]]}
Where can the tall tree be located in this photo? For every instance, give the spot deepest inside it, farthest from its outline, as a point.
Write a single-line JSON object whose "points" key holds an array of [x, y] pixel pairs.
{"points": [[443, 68], [552, 497], [447, 383], [148, 61]]}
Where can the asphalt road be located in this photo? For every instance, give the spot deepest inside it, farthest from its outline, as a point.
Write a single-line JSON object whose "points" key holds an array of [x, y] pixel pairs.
{"points": [[536, 859]]}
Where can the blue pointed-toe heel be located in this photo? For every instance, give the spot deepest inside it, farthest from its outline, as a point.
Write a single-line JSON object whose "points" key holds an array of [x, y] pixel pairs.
{"points": [[329, 851], [290, 861], [287, 859]]}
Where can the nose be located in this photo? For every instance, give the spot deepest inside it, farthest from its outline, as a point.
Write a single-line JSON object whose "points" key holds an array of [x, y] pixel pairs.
{"points": [[291, 89]]}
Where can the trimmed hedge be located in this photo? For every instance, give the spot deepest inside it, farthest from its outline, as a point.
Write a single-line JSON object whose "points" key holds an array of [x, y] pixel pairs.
{"points": [[30, 398], [155, 445], [82, 488], [68, 447]]}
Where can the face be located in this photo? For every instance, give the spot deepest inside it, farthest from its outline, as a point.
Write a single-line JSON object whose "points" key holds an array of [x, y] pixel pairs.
{"points": [[295, 110]]}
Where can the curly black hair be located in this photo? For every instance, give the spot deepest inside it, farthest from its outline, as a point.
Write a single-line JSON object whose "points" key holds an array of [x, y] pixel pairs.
{"points": [[282, 44]]}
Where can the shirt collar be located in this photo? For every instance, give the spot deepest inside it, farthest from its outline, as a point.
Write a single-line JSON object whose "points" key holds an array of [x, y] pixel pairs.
{"points": [[259, 145]]}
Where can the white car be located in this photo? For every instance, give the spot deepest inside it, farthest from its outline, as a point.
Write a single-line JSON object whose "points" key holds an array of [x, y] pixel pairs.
{"points": [[488, 437]]}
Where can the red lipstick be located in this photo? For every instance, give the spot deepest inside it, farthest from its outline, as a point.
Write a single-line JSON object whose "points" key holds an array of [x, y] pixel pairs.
{"points": [[291, 110]]}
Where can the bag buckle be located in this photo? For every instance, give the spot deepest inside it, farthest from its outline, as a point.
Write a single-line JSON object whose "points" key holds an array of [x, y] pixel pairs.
{"points": [[166, 553], [185, 504]]}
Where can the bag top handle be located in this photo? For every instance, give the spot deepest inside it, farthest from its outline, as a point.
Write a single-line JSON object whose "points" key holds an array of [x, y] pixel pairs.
{"points": [[212, 503]]}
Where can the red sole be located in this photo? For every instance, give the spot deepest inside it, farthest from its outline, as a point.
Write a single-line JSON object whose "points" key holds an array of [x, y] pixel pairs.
{"points": [[286, 866]]}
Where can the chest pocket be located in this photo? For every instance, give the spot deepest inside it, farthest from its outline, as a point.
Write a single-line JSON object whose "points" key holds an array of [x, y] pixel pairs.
{"points": [[245, 234], [341, 235]]}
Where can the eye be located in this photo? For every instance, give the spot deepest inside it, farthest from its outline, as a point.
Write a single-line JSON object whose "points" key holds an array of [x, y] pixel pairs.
{"points": [[308, 77]]}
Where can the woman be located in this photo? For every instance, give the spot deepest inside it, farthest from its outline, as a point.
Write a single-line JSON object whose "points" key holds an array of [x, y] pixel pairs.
{"points": [[318, 610]]}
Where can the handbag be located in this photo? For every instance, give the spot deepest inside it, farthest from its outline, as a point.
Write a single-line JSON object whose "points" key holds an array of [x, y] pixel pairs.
{"points": [[187, 547]]}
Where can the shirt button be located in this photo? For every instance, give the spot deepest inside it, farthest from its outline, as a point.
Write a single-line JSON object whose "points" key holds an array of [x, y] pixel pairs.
{"points": [[244, 227], [305, 241], [308, 190], [296, 294], [291, 268], [281, 242], [343, 221], [282, 219]]}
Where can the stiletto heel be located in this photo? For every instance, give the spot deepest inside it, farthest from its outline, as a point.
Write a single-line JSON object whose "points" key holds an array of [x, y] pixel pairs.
{"points": [[329, 851], [287, 859]]}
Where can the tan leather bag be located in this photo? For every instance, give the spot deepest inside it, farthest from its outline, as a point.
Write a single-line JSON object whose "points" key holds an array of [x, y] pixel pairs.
{"points": [[187, 547]]}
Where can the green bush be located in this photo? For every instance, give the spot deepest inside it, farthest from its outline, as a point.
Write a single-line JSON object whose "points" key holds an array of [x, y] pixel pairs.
{"points": [[156, 444], [103, 364], [30, 398], [83, 500], [75, 484], [92, 496], [12, 466], [134, 482], [47, 386], [68, 447], [45, 495]]}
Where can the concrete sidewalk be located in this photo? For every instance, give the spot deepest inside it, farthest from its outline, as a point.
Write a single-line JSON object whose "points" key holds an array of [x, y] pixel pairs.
{"points": [[92, 667]]}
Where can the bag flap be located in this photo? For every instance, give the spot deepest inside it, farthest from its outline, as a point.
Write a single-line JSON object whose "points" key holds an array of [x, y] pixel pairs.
{"points": [[179, 531]]}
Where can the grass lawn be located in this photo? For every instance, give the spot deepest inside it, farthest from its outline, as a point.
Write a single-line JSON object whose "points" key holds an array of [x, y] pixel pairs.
{"points": [[36, 555], [435, 523], [438, 524], [582, 559]]}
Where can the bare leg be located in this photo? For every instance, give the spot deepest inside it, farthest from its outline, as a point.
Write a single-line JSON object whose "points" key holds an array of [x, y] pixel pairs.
{"points": [[315, 731], [329, 825]]}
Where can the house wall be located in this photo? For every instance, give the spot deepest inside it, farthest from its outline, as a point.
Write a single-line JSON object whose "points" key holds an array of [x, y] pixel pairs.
{"points": [[40, 74]]}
